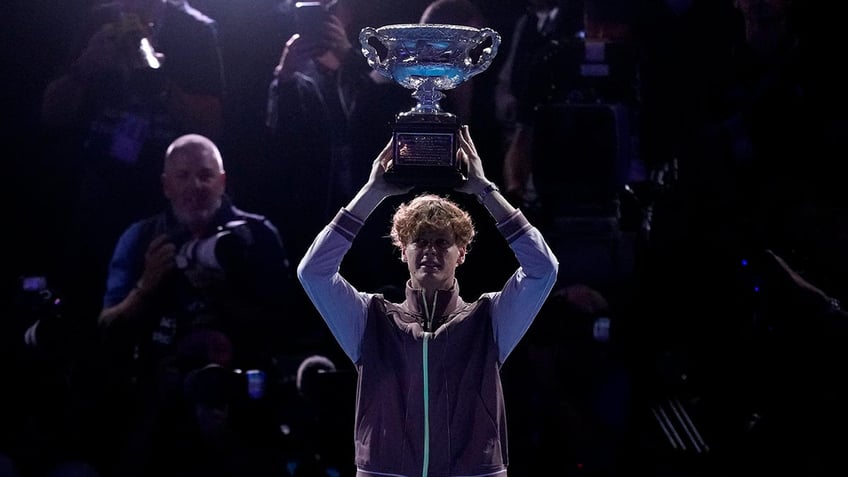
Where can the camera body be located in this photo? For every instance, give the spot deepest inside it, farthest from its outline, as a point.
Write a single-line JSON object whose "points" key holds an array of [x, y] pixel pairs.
{"points": [[310, 17], [221, 251], [41, 310]]}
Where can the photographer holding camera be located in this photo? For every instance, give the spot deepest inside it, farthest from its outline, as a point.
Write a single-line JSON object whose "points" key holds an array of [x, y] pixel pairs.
{"points": [[198, 284], [139, 74], [314, 120]]}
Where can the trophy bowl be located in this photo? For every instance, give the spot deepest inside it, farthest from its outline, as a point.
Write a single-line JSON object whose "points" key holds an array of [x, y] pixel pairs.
{"points": [[428, 59]]}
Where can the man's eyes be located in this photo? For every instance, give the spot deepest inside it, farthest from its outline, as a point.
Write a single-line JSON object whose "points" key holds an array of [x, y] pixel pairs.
{"points": [[202, 177], [439, 243]]}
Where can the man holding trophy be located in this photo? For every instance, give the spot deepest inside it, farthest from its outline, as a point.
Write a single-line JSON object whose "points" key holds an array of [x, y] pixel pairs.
{"points": [[429, 397]]}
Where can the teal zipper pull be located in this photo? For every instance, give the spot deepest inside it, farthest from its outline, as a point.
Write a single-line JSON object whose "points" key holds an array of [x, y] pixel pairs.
{"points": [[425, 371]]}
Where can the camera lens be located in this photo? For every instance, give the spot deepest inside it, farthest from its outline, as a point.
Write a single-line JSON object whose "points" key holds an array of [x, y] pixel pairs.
{"points": [[222, 251]]}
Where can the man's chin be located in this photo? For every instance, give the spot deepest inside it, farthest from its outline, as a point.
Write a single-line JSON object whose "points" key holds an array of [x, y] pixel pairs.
{"points": [[195, 217], [434, 280]]}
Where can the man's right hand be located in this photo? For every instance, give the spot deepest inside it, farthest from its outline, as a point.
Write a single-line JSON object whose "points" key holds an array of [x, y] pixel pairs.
{"points": [[296, 54], [159, 260], [377, 188], [381, 164]]}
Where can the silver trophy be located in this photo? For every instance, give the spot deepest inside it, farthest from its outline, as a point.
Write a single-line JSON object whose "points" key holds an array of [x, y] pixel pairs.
{"points": [[427, 58]]}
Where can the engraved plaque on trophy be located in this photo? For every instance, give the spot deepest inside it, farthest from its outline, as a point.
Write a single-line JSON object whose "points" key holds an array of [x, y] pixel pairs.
{"points": [[428, 59]]}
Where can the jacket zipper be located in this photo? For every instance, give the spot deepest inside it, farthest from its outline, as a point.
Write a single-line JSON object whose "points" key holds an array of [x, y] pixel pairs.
{"points": [[428, 316]]}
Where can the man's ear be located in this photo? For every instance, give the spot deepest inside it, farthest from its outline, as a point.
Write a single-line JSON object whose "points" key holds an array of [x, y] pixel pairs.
{"points": [[403, 254], [461, 259]]}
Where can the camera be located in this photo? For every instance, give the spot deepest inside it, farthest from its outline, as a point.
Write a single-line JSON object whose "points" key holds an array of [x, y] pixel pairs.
{"points": [[223, 250], [310, 17], [41, 308]]}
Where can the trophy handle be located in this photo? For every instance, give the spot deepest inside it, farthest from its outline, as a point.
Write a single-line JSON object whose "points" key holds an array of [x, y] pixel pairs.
{"points": [[371, 53], [487, 54]]}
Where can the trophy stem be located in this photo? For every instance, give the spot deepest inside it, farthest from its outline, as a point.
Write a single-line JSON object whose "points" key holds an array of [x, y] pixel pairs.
{"points": [[428, 98]]}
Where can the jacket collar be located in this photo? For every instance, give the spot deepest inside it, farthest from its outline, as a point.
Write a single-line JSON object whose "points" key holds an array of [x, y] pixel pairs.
{"points": [[446, 300]]}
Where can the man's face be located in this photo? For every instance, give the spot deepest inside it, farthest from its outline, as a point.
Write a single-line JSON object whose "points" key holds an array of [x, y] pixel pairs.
{"points": [[432, 258], [194, 184]]}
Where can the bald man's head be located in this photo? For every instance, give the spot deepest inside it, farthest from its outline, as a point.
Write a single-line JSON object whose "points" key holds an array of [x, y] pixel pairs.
{"points": [[193, 180], [195, 144]]}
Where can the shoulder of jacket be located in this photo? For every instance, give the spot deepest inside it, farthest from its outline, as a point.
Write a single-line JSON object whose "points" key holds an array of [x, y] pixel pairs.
{"points": [[250, 216]]}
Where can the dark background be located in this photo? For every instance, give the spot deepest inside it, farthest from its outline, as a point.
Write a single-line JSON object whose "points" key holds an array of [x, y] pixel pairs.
{"points": [[36, 41]]}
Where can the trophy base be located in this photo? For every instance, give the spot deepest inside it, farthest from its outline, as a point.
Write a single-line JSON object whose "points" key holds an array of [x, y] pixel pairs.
{"points": [[425, 147]]}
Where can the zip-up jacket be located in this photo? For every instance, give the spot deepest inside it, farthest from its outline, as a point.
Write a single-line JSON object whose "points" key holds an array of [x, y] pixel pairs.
{"points": [[429, 403]]}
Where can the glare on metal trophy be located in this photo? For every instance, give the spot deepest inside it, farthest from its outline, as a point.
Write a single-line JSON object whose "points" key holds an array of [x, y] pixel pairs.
{"points": [[427, 58]]}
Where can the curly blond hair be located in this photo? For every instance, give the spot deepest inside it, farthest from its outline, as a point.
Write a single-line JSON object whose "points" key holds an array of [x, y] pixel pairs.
{"points": [[430, 212]]}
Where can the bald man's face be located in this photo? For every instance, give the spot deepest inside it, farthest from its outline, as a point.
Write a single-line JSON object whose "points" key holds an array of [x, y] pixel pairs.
{"points": [[194, 184]]}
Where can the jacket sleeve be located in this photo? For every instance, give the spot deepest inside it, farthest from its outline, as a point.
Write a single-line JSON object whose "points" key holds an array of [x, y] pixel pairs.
{"points": [[515, 307], [342, 307], [125, 266]]}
